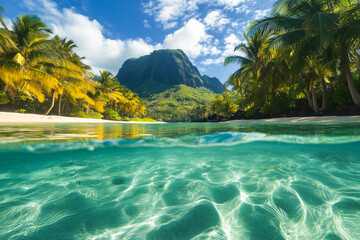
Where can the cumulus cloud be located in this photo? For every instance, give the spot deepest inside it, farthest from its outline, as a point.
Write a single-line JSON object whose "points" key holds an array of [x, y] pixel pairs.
{"points": [[190, 38], [169, 12], [146, 24], [261, 13], [231, 42], [215, 19], [101, 53]]}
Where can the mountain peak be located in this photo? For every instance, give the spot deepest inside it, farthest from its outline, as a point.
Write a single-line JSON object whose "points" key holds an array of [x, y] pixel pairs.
{"points": [[162, 70]]}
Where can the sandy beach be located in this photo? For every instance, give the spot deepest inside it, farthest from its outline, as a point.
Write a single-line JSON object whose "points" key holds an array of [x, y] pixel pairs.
{"points": [[21, 118], [326, 119], [7, 118]]}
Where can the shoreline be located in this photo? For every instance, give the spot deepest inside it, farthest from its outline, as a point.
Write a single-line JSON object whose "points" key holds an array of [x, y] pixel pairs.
{"points": [[317, 119], [10, 118]]}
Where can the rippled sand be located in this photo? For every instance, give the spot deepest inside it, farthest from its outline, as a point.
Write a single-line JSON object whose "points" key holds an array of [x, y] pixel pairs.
{"points": [[221, 185]]}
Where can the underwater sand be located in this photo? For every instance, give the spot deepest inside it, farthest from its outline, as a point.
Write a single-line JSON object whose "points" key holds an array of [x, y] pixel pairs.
{"points": [[180, 181]]}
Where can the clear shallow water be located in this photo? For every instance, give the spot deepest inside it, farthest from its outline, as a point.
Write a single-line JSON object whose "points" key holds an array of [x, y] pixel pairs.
{"points": [[180, 181]]}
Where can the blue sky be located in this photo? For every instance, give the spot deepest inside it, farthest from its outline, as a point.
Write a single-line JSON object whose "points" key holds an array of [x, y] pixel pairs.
{"points": [[108, 32]]}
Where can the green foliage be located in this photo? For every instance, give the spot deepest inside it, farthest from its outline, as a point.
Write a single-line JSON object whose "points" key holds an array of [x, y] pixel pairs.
{"points": [[143, 120], [281, 103], [176, 103], [4, 98], [111, 114], [250, 112], [126, 119], [224, 104], [80, 114], [200, 112], [20, 110], [339, 97], [92, 114]]}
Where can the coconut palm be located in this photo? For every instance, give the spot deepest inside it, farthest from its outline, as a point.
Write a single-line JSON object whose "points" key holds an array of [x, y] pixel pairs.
{"points": [[72, 75], [310, 26], [348, 38], [1, 17], [253, 59], [22, 64], [107, 91]]}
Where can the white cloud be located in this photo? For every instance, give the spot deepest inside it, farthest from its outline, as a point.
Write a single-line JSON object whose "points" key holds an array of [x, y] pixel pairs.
{"points": [[146, 24], [261, 13], [215, 19], [231, 42], [230, 3], [168, 12], [190, 38], [101, 53]]}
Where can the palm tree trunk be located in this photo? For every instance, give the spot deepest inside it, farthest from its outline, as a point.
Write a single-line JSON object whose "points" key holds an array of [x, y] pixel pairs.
{"points": [[59, 109], [242, 100], [63, 106], [309, 98], [52, 103], [325, 96], [88, 109], [351, 84], [314, 100]]}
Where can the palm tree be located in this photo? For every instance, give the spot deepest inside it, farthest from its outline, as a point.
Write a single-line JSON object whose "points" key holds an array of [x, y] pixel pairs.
{"points": [[107, 91], [1, 17], [348, 37], [22, 64], [306, 27], [253, 59], [72, 76]]}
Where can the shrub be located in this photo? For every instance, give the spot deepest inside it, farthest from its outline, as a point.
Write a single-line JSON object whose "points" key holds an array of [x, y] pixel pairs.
{"points": [[92, 114], [126, 119], [95, 115], [279, 104], [80, 114], [340, 97], [143, 120], [4, 98], [20, 110], [111, 114], [250, 112]]}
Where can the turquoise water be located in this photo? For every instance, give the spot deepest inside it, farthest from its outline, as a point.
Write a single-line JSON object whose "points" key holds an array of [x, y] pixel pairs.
{"points": [[180, 181]]}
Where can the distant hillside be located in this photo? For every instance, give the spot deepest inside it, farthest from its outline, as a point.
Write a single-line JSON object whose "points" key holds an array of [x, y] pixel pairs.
{"points": [[162, 70], [175, 104]]}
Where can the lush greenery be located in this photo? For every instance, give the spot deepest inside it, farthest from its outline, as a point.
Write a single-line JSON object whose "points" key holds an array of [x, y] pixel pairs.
{"points": [[305, 49], [179, 103], [39, 72]]}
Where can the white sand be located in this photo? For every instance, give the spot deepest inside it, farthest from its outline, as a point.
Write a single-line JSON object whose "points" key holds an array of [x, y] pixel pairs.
{"points": [[327, 119], [7, 118]]}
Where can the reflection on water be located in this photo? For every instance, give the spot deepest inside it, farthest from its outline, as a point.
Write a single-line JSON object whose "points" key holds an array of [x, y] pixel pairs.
{"points": [[180, 181], [86, 132]]}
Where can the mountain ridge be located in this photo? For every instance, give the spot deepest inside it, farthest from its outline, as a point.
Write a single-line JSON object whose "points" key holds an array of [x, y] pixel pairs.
{"points": [[162, 70]]}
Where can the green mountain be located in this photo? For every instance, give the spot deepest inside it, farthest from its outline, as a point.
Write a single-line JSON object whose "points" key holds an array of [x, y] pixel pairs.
{"points": [[170, 83], [162, 70]]}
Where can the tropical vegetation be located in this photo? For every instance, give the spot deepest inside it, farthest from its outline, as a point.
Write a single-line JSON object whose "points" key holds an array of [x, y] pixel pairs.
{"points": [[179, 103], [304, 50], [40, 72]]}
